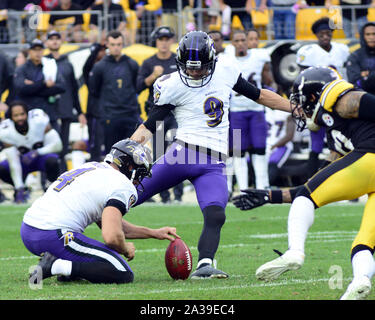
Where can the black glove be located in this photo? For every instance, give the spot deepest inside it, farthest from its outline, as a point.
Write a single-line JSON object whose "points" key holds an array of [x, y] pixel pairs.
{"points": [[252, 199]]}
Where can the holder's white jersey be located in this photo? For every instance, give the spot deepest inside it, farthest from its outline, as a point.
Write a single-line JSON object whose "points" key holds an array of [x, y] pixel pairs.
{"points": [[201, 113], [251, 67], [313, 55], [37, 120], [77, 198]]}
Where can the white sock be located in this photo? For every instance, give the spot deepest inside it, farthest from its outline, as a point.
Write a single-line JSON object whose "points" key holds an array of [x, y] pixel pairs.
{"points": [[78, 158], [61, 267], [363, 264], [229, 171], [241, 172], [260, 165], [301, 218], [205, 260]]}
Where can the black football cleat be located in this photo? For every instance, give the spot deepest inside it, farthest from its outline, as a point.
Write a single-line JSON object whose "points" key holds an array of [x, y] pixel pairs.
{"points": [[45, 265]]}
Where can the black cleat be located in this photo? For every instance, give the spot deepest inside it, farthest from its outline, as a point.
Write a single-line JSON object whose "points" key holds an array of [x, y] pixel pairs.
{"points": [[45, 265]]}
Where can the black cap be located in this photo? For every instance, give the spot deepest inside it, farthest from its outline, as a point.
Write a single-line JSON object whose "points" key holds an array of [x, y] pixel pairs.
{"points": [[36, 43], [53, 33], [162, 31], [322, 24]]}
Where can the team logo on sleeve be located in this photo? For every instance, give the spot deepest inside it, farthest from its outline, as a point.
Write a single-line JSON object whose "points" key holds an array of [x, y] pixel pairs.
{"points": [[327, 119], [156, 95], [131, 201]]}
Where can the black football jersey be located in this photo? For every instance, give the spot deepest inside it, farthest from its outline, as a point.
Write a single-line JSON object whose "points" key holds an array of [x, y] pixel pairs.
{"points": [[343, 135]]}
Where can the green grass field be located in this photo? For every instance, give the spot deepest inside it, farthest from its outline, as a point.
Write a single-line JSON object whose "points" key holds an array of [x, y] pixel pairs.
{"points": [[247, 241]]}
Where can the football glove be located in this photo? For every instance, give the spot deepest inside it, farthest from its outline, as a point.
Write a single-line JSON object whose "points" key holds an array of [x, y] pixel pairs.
{"points": [[252, 198], [28, 157]]}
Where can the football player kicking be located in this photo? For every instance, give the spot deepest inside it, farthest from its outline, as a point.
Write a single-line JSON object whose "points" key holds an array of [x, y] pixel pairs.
{"points": [[198, 95], [324, 100], [95, 192], [31, 144]]}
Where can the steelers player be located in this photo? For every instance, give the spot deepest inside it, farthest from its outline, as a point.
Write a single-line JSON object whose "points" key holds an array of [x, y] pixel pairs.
{"points": [[322, 99]]}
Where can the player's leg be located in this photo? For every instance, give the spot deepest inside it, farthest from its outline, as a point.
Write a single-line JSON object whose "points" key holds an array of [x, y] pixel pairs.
{"points": [[347, 178], [276, 160], [239, 143], [362, 251], [74, 255], [212, 195], [168, 171], [258, 139]]}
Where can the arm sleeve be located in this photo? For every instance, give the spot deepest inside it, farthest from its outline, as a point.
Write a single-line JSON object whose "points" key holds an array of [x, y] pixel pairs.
{"points": [[89, 64], [95, 80], [246, 89], [52, 143], [144, 72], [26, 89], [157, 113], [353, 69]]}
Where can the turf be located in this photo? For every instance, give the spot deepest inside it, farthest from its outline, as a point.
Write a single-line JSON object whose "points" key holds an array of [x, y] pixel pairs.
{"points": [[247, 241]]}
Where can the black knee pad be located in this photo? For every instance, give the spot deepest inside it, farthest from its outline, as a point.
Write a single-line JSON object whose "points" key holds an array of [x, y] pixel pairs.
{"points": [[259, 151], [360, 247], [303, 192], [214, 216]]}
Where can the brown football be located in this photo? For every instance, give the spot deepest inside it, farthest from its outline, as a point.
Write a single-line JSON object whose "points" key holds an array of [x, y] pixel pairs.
{"points": [[178, 260]]}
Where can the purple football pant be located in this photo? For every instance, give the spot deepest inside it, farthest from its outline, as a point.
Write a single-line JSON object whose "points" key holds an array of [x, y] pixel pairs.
{"points": [[72, 246], [253, 130], [281, 154], [38, 164], [205, 172]]}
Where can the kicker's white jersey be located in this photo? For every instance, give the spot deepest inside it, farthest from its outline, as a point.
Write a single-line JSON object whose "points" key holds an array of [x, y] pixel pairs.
{"points": [[201, 113], [313, 55], [77, 198], [251, 67], [37, 120]]}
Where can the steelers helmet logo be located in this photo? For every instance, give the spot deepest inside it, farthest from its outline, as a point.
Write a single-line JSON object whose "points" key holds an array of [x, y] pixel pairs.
{"points": [[327, 119]]}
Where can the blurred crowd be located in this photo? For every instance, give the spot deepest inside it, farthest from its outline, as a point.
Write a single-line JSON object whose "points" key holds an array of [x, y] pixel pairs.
{"points": [[23, 20]]}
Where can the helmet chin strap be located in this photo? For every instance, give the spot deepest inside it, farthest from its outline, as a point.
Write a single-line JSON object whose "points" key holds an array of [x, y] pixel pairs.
{"points": [[310, 122], [133, 175]]}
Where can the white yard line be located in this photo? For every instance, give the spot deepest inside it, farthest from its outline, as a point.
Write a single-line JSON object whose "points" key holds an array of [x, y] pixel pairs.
{"points": [[326, 236]]}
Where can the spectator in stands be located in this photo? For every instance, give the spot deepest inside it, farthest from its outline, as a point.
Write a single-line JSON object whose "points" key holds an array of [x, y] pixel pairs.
{"points": [[94, 113], [70, 26], [48, 5], [161, 63], [147, 13], [284, 19], [242, 9], [361, 63], [28, 31], [360, 15], [20, 58], [85, 4], [171, 19], [36, 86], [69, 100], [116, 20], [218, 39], [113, 81]]}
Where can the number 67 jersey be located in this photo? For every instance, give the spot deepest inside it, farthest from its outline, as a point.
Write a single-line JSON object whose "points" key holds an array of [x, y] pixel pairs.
{"points": [[201, 113]]}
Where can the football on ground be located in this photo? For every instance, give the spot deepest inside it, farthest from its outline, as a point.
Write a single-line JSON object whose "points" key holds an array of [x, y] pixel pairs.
{"points": [[178, 260]]}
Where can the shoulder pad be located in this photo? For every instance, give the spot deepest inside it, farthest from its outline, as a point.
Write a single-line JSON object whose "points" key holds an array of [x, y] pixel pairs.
{"points": [[332, 92]]}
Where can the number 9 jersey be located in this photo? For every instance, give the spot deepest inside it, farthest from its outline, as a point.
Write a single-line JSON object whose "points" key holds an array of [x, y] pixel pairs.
{"points": [[201, 113]]}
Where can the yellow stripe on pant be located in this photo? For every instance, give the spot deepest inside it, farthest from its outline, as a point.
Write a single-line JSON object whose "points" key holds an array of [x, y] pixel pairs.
{"points": [[349, 178]]}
